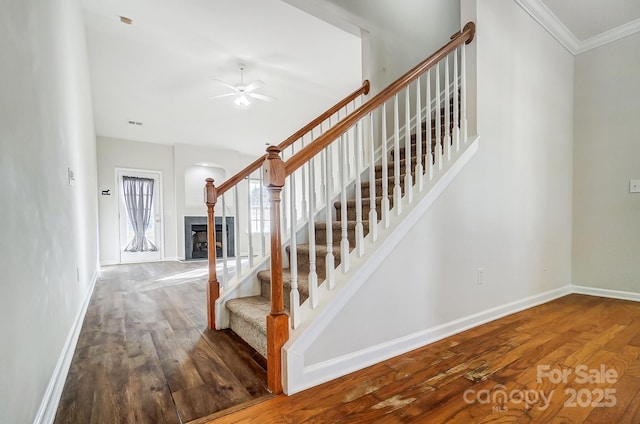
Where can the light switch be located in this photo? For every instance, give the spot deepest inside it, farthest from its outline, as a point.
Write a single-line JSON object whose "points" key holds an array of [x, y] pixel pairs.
{"points": [[634, 186]]}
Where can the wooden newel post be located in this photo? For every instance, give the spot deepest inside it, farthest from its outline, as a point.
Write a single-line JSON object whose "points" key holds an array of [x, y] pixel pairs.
{"points": [[213, 287], [278, 320]]}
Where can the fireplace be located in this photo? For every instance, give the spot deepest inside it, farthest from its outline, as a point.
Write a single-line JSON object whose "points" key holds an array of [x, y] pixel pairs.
{"points": [[195, 237]]}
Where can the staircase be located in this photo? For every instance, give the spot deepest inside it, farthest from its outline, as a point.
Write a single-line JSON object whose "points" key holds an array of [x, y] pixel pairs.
{"points": [[247, 314], [356, 166]]}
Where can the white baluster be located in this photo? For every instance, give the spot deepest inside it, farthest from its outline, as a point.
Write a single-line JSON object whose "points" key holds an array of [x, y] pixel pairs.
{"points": [[285, 202], [313, 275], [262, 235], [294, 295], [344, 242], [456, 103], [329, 258], [438, 120], [323, 172], [348, 136], [359, 226], [385, 206], [408, 162], [447, 112], [225, 267], [236, 203], [249, 222], [397, 190], [429, 155], [419, 168], [303, 172], [373, 213], [312, 182], [463, 94]]}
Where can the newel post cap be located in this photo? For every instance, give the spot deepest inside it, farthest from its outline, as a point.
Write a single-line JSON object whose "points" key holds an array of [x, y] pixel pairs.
{"points": [[210, 192], [273, 169]]}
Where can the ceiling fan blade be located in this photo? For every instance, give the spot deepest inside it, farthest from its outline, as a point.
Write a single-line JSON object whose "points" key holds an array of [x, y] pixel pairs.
{"points": [[226, 84], [223, 95], [261, 97], [253, 86]]}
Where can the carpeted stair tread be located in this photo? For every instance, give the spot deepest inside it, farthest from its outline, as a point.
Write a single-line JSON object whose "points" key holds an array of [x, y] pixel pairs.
{"points": [[321, 249], [337, 225], [252, 309], [248, 314], [248, 319], [390, 182], [303, 281]]}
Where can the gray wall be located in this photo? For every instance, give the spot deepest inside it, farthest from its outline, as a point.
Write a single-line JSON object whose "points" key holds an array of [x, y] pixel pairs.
{"points": [[606, 225], [48, 227]]}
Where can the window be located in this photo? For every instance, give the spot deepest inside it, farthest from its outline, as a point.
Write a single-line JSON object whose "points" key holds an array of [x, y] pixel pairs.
{"points": [[259, 206]]}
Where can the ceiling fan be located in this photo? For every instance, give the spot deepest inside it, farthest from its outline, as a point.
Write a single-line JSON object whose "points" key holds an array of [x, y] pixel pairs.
{"points": [[242, 92]]}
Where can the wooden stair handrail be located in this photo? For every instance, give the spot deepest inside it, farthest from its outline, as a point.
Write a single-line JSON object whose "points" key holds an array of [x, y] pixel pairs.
{"points": [[363, 89], [303, 156]]}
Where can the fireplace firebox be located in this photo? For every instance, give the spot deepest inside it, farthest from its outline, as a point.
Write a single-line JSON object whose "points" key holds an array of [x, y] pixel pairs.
{"points": [[195, 237]]}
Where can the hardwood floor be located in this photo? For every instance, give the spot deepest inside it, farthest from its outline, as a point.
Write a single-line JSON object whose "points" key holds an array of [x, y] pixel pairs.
{"points": [[144, 354], [593, 342]]}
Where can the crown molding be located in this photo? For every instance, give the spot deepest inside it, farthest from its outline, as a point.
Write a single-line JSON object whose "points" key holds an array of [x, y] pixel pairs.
{"points": [[550, 22], [609, 36]]}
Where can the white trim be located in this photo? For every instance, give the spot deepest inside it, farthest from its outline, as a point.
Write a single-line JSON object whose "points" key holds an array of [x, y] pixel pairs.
{"points": [[316, 374], [119, 172], [612, 294], [49, 405], [609, 36], [550, 22], [301, 377], [295, 376]]}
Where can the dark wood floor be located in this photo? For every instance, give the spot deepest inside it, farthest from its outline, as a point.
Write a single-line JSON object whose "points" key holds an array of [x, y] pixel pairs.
{"points": [[144, 354], [459, 379]]}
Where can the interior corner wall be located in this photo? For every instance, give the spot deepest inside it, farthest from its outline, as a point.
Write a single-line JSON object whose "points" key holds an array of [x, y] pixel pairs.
{"points": [[509, 211], [116, 153], [48, 224], [606, 220], [399, 34]]}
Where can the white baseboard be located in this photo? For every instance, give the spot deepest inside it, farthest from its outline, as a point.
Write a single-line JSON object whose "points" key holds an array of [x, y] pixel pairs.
{"points": [[49, 405], [171, 259], [301, 377], [613, 294]]}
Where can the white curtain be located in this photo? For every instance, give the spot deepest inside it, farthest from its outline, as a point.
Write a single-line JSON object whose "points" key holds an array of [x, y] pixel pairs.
{"points": [[138, 198]]}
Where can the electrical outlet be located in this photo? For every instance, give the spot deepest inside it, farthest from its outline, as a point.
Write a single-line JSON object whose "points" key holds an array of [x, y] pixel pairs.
{"points": [[634, 186], [480, 276]]}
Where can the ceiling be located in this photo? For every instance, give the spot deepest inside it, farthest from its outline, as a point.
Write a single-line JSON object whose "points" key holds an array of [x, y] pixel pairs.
{"points": [[159, 71], [581, 25]]}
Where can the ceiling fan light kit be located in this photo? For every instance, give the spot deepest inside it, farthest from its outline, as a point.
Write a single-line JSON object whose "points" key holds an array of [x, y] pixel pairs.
{"points": [[242, 93], [242, 101]]}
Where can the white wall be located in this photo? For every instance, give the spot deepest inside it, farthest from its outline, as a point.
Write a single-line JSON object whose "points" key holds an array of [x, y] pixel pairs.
{"points": [[400, 34], [606, 222], [116, 153], [183, 180], [222, 165], [509, 211], [49, 227], [396, 35]]}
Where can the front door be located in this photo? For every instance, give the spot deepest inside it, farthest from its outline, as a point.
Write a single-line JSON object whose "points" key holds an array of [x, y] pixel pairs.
{"points": [[140, 215]]}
